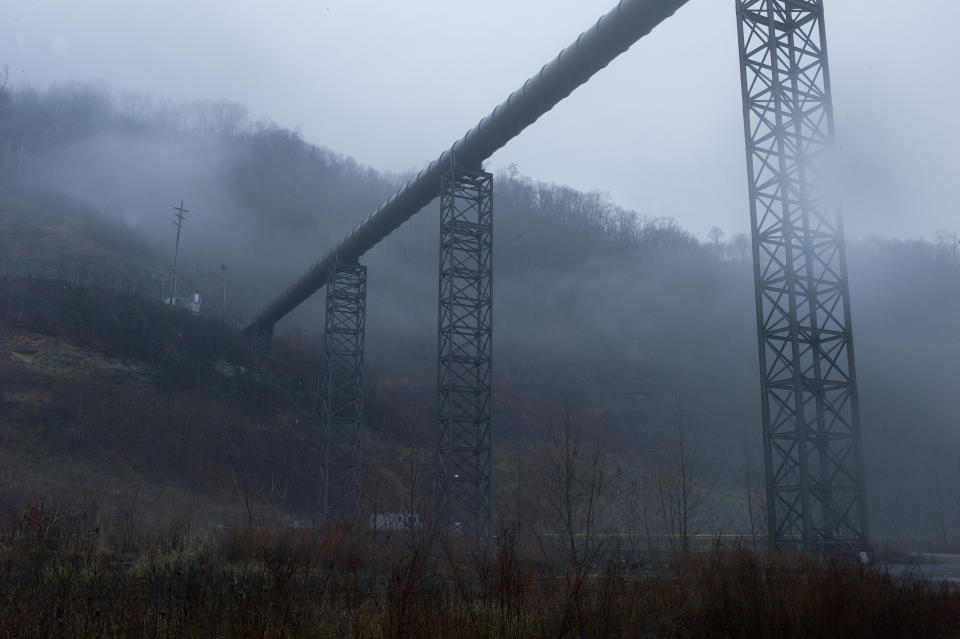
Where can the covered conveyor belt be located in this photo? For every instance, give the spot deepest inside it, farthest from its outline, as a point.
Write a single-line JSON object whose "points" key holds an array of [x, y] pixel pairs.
{"points": [[613, 34]]}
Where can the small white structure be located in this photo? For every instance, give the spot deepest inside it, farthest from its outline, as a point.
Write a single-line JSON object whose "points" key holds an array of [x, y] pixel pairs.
{"points": [[193, 304], [396, 522]]}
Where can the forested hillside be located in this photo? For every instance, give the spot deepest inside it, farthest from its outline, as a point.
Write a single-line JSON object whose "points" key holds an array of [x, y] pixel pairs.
{"points": [[623, 318]]}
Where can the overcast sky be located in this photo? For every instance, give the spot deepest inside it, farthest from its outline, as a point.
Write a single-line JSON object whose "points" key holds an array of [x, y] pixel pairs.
{"points": [[660, 129]]}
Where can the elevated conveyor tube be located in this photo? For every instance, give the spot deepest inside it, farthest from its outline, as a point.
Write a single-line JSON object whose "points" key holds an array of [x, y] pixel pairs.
{"points": [[613, 34]]}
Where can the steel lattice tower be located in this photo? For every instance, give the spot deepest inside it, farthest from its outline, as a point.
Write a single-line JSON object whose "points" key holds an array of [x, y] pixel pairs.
{"points": [[465, 335], [811, 416], [341, 407]]}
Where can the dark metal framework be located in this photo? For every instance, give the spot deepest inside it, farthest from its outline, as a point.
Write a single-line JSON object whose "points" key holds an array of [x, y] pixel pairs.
{"points": [[464, 370], [596, 47], [811, 416], [341, 402]]}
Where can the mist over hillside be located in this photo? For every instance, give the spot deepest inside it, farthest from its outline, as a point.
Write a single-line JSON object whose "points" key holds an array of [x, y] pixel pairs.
{"points": [[626, 318]]}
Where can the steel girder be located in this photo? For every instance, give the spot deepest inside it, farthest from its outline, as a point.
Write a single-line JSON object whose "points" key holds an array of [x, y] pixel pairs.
{"points": [[341, 407], [811, 416], [462, 481]]}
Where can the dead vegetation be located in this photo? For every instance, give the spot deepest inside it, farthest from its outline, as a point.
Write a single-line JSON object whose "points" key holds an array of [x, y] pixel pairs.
{"points": [[95, 381], [65, 572]]}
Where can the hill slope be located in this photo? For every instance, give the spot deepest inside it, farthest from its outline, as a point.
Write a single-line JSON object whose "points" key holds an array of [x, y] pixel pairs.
{"points": [[622, 317]]}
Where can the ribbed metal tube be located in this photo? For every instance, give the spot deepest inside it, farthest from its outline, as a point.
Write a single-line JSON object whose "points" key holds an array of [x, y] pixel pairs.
{"points": [[613, 34]]}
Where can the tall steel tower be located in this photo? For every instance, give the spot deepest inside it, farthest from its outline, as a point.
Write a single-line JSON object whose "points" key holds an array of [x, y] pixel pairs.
{"points": [[811, 413], [341, 407], [462, 482]]}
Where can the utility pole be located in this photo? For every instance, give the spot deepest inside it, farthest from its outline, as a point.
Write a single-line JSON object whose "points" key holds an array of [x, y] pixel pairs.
{"points": [[178, 220]]}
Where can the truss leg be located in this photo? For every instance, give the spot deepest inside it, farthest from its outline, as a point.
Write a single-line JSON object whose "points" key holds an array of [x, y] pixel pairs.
{"points": [[811, 414], [341, 404], [464, 372]]}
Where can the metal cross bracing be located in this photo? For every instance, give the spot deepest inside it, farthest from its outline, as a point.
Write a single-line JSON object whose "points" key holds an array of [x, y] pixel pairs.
{"points": [[341, 402], [811, 416], [462, 481]]}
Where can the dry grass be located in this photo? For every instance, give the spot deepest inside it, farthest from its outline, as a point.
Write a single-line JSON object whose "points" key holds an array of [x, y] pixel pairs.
{"points": [[61, 575]]}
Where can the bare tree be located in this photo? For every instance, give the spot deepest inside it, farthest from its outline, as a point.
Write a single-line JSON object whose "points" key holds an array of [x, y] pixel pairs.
{"points": [[756, 505], [715, 234], [939, 512], [947, 244], [680, 498], [739, 248], [641, 512], [576, 491], [246, 483]]}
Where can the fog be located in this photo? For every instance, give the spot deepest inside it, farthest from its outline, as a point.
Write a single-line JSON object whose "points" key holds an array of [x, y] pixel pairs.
{"points": [[384, 83], [617, 312], [604, 294]]}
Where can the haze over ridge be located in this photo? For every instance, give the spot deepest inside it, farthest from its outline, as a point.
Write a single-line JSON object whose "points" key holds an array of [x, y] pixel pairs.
{"points": [[384, 83]]}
